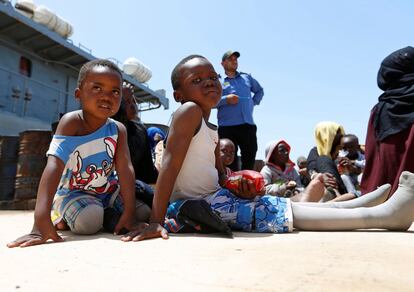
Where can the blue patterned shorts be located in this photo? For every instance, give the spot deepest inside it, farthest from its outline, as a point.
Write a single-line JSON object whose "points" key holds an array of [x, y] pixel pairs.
{"points": [[263, 214]]}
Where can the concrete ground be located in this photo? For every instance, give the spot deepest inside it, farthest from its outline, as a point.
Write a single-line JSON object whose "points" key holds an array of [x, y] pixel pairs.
{"points": [[301, 261]]}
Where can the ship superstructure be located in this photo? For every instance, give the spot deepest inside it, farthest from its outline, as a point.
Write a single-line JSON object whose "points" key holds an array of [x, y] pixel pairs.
{"points": [[38, 74]]}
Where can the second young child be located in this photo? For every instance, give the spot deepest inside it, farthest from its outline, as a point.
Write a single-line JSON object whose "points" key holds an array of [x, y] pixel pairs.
{"points": [[351, 163], [227, 153], [88, 168]]}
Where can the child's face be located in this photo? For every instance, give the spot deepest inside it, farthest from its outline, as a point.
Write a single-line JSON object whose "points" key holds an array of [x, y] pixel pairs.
{"points": [[198, 82], [227, 152], [303, 164], [280, 155], [100, 92], [351, 145], [157, 138]]}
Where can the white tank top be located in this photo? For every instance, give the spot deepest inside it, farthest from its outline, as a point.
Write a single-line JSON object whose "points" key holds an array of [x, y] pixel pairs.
{"points": [[198, 176]]}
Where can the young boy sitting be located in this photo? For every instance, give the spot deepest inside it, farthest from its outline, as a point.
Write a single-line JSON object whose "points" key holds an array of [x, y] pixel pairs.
{"points": [[80, 178], [192, 170], [227, 153], [351, 163]]}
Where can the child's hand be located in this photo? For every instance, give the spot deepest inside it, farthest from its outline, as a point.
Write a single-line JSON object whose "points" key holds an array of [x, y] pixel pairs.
{"points": [[36, 238], [329, 180], [291, 185], [247, 190], [350, 166], [134, 231], [152, 230], [345, 162], [125, 222]]}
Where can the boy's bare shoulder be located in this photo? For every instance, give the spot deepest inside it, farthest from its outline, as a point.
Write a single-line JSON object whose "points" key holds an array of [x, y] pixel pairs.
{"points": [[187, 119], [189, 109], [120, 126], [69, 123]]}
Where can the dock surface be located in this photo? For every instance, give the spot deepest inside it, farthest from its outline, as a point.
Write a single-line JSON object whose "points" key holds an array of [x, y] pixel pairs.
{"points": [[373, 260]]}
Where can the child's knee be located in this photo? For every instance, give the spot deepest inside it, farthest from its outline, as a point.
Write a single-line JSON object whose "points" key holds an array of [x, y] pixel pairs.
{"points": [[89, 220]]}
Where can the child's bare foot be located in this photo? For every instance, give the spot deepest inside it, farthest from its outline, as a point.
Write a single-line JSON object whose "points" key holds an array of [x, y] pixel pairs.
{"points": [[314, 191]]}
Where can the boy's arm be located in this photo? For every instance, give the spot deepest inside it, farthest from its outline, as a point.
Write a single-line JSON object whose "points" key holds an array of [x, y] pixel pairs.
{"points": [[126, 178], [186, 121], [276, 189], [221, 169], [43, 228]]}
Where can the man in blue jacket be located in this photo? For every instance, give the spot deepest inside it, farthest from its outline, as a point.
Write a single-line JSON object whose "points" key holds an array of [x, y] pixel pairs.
{"points": [[235, 110]]}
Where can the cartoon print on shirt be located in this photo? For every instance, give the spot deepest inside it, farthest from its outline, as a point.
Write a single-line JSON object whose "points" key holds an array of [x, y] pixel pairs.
{"points": [[95, 179]]}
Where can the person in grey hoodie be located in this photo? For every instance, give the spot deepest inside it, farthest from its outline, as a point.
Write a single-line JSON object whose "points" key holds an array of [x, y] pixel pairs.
{"points": [[282, 179]]}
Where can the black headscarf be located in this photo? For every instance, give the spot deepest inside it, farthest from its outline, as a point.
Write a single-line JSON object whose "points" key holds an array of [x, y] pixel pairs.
{"points": [[394, 111], [139, 147]]}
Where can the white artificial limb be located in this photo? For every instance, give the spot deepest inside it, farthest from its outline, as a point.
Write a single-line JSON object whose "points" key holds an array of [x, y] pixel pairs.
{"points": [[397, 213], [371, 199]]}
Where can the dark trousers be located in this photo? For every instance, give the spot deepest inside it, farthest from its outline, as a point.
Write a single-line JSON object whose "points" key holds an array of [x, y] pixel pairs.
{"points": [[326, 164], [144, 193], [243, 137]]}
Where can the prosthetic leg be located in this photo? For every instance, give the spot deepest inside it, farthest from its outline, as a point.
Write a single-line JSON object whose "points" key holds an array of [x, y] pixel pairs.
{"points": [[368, 200], [395, 214]]}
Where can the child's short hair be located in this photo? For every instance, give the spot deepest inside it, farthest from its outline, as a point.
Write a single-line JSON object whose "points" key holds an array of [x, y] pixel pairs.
{"points": [[226, 140], [87, 67], [351, 136], [301, 159], [175, 75]]}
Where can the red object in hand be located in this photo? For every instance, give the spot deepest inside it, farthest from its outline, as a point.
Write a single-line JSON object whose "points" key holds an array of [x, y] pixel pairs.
{"points": [[234, 180]]}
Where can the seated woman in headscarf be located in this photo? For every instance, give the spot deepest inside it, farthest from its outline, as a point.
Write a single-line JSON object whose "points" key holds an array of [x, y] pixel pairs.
{"points": [[139, 147], [321, 159], [389, 145]]}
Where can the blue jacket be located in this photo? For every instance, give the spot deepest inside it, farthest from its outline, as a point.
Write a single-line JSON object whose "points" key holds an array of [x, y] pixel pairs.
{"points": [[243, 85]]}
